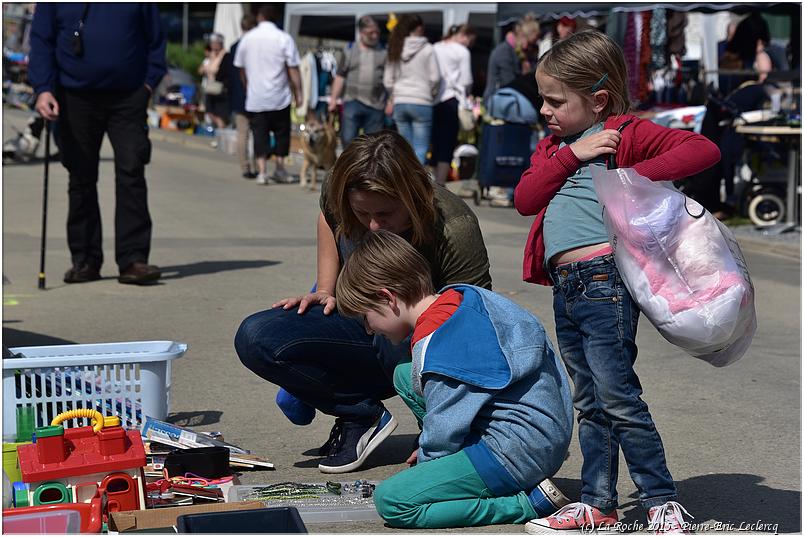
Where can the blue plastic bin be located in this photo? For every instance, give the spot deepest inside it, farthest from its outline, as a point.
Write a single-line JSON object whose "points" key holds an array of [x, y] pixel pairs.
{"points": [[269, 520]]}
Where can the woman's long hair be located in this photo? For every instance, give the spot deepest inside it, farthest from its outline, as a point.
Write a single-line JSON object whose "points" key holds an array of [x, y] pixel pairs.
{"points": [[456, 29], [396, 41], [744, 41], [383, 163]]}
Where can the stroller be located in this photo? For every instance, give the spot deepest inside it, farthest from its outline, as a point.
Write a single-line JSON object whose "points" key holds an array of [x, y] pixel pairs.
{"points": [[506, 142], [755, 184]]}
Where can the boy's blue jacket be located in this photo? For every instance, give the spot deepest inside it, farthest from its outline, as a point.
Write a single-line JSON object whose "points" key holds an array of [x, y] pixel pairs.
{"points": [[494, 387]]}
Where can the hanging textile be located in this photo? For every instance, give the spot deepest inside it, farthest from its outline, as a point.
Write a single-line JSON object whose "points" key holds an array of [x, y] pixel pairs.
{"points": [[615, 26], [658, 37], [328, 62], [631, 55], [676, 23], [645, 55], [308, 74]]}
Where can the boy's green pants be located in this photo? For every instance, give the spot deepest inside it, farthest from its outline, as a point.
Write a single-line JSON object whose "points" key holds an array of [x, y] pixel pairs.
{"points": [[444, 492]]}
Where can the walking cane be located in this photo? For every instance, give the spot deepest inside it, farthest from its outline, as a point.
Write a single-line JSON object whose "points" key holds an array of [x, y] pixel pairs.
{"points": [[44, 208]]}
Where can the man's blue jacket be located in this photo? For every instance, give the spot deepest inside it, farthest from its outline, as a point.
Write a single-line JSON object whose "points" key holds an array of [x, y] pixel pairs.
{"points": [[124, 47]]}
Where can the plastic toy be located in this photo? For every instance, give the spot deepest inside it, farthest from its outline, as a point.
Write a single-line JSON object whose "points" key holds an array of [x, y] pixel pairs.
{"points": [[100, 465], [91, 513]]}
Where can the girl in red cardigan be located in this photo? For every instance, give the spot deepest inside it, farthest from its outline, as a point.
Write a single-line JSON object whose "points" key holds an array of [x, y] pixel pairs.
{"points": [[583, 82]]}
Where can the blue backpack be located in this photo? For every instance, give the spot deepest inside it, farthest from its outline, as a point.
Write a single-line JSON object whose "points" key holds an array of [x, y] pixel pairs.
{"points": [[511, 106]]}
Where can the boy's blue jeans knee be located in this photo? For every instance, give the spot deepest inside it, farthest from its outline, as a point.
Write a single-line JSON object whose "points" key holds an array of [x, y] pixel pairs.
{"points": [[596, 323]]}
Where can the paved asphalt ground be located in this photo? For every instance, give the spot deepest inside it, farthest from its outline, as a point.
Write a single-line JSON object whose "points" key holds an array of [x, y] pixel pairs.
{"points": [[228, 248]]}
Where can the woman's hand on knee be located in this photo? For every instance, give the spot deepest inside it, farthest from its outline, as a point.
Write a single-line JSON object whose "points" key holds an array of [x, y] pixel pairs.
{"points": [[305, 301]]}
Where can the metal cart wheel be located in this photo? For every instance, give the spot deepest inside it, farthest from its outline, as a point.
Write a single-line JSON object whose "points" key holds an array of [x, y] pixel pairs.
{"points": [[766, 208]]}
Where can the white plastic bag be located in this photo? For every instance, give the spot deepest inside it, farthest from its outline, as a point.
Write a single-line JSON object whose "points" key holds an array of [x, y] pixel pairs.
{"points": [[681, 265]]}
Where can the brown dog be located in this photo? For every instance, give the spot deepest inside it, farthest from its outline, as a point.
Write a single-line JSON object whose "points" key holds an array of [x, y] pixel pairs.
{"points": [[318, 142]]}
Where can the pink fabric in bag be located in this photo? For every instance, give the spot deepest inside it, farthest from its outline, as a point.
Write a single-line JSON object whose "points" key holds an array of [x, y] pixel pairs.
{"points": [[682, 267]]}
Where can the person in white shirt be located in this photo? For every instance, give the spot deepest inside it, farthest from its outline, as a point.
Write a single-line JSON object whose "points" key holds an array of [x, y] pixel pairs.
{"points": [[269, 63], [455, 64]]}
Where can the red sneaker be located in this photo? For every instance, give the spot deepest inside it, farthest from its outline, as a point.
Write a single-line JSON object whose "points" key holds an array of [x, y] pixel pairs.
{"points": [[668, 518], [574, 518]]}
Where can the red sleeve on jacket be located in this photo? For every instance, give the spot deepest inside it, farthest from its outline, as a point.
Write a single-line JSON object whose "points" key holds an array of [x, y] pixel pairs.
{"points": [[670, 154], [539, 184]]}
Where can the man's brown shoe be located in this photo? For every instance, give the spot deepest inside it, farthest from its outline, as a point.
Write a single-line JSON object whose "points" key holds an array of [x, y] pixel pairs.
{"points": [[140, 274], [82, 274]]}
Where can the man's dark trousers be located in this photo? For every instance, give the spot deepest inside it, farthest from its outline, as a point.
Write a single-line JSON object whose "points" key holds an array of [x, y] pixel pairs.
{"points": [[85, 115]]}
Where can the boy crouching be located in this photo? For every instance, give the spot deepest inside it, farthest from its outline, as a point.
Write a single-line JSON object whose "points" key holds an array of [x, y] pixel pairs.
{"points": [[490, 395]]}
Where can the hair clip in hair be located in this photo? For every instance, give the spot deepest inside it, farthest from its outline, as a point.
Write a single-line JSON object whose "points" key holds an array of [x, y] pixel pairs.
{"points": [[599, 84]]}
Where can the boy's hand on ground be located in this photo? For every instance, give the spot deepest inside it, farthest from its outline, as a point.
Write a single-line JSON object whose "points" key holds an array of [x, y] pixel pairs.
{"points": [[414, 458], [602, 143], [310, 299]]}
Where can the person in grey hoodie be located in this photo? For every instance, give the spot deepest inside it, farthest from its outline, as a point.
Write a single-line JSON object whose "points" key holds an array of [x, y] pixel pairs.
{"points": [[412, 79]]}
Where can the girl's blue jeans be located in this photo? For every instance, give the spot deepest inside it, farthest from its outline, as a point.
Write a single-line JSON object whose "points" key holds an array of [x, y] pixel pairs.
{"points": [[415, 123], [596, 323], [326, 361]]}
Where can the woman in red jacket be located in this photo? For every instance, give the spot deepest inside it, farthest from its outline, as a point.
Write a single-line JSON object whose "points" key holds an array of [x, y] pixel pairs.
{"points": [[583, 82]]}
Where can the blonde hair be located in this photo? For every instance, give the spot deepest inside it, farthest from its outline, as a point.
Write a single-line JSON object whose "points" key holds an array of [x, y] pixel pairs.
{"points": [[382, 260], [587, 62], [528, 26], [383, 163]]}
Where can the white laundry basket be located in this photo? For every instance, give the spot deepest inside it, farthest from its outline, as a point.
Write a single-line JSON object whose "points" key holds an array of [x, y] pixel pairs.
{"points": [[130, 380], [227, 142]]}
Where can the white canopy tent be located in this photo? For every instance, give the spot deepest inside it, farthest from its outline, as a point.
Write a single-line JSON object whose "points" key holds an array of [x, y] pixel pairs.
{"points": [[227, 22], [452, 13]]}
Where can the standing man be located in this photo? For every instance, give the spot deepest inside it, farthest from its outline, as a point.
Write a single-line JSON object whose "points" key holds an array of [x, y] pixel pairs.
{"points": [[237, 102], [93, 67], [361, 73], [267, 58]]}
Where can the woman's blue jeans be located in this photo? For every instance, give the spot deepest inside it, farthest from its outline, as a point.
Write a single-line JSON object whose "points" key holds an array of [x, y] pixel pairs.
{"points": [[415, 124], [326, 361], [596, 323]]}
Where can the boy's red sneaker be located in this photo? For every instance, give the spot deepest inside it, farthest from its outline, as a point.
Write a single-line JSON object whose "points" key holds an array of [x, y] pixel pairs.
{"points": [[574, 518], [668, 518]]}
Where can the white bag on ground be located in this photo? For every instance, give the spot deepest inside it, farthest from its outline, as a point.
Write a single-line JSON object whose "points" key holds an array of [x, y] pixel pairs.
{"points": [[682, 266]]}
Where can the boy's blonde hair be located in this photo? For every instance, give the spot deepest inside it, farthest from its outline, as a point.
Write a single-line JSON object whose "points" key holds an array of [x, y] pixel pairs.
{"points": [[587, 62], [382, 260], [383, 163]]}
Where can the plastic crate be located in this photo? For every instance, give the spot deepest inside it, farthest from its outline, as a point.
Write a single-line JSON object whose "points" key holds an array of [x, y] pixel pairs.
{"points": [[129, 380], [227, 142], [61, 521], [274, 520]]}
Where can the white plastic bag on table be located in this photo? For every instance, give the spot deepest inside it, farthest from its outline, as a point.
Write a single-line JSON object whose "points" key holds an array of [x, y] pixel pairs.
{"points": [[681, 265]]}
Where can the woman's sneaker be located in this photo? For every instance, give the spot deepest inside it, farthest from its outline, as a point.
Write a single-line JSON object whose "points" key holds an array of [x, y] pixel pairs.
{"points": [[546, 498], [355, 443], [574, 518], [668, 518]]}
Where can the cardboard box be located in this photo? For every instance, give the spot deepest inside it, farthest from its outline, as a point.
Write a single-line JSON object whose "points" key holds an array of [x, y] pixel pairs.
{"points": [[122, 521]]}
